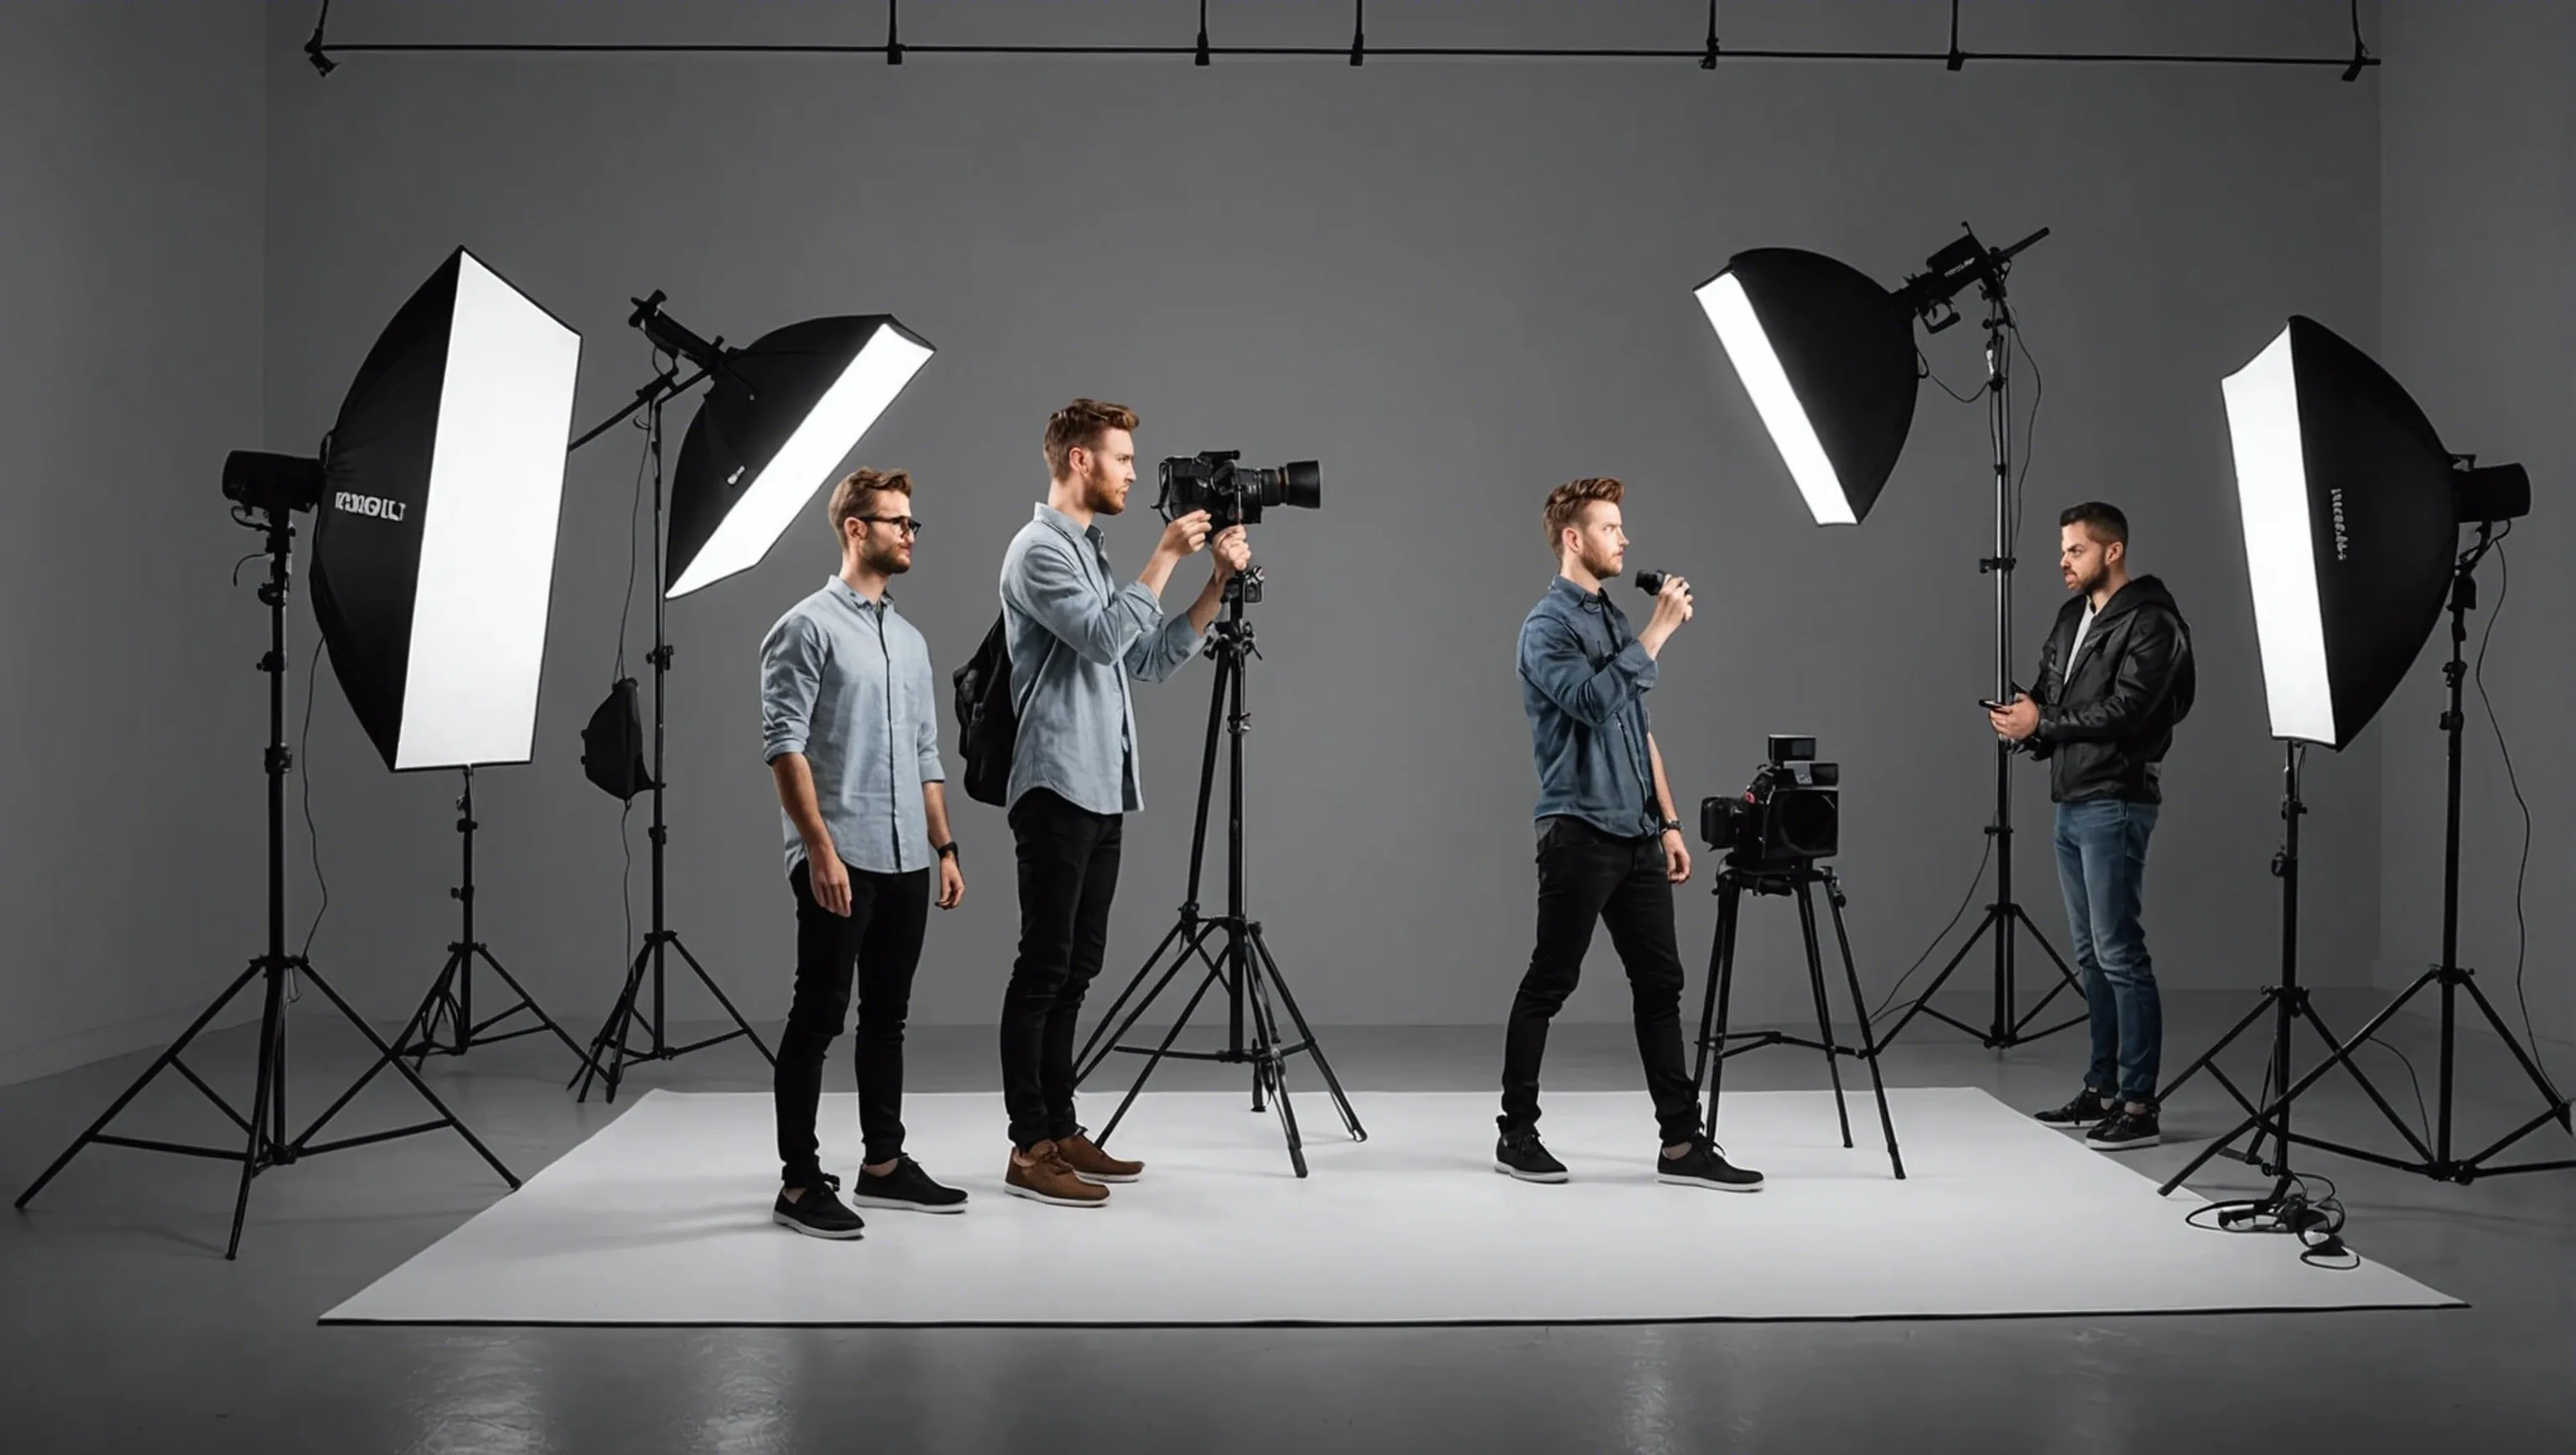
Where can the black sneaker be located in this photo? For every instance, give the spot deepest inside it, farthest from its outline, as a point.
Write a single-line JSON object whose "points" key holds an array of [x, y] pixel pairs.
{"points": [[1704, 1166], [2125, 1130], [1520, 1154], [818, 1213], [2089, 1108], [906, 1188]]}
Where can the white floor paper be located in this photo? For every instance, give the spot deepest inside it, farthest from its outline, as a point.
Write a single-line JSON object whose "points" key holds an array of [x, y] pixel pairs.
{"points": [[663, 1218]]}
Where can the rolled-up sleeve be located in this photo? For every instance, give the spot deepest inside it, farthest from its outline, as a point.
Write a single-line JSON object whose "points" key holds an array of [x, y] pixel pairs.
{"points": [[1051, 587], [926, 686], [1554, 662], [1160, 653], [791, 675]]}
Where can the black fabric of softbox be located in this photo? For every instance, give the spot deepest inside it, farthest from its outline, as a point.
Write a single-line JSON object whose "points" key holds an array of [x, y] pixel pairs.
{"points": [[1847, 347], [2383, 521], [366, 566]]}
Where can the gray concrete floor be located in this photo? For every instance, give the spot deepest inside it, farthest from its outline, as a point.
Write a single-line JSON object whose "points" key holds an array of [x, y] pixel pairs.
{"points": [[123, 1328]]}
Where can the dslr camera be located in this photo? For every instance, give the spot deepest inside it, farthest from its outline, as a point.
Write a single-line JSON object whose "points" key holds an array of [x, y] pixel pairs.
{"points": [[1789, 817], [1234, 494]]}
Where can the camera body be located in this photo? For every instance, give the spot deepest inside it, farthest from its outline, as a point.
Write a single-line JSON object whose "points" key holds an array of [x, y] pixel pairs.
{"points": [[1233, 494], [1788, 817]]}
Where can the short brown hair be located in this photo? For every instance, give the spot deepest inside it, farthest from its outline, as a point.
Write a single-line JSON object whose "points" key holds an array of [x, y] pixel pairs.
{"points": [[855, 495], [1080, 425], [1565, 505]]}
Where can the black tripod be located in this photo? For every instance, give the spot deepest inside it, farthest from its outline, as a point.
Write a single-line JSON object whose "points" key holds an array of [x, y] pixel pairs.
{"points": [[2004, 919], [1796, 881], [611, 1049], [2437, 1161], [451, 996], [1244, 966], [267, 1143]]}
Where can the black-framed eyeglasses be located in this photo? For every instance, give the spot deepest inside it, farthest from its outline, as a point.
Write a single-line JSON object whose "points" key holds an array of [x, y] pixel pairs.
{"points": [[905, 523]]}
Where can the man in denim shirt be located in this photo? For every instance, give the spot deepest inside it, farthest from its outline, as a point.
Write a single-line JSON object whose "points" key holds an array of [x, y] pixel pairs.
{"points": [[850, 729], [1610, 846], [1075, 637]]}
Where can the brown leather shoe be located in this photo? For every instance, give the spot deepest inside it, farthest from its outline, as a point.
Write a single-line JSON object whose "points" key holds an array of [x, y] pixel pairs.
{"points": [[1046, 1178], [1093, 1165]]}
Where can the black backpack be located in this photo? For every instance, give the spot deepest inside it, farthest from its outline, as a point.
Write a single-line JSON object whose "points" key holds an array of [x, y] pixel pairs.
{"points": [[988, 721]]}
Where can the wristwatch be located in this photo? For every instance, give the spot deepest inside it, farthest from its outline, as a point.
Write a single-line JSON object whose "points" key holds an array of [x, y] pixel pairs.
{"points": [[1672, 826], [948, 851]]}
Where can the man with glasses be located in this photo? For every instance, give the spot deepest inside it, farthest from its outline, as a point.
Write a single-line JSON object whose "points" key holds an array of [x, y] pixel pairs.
{"points": [[852, 737]]}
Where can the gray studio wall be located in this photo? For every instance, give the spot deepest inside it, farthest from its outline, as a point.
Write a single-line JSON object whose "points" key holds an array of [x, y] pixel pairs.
{"points": [[2476, 311], [130, 167], [1454, 284]]}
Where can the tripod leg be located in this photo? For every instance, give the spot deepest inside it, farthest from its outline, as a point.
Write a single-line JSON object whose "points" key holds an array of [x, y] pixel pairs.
{"points": [[606, 1062], [264, 1096], [2531, 1068], [721, 999], [1729, 917], [1306, 1033], [424, 1021], [529, 1001], [1717, 957], [1868, 1043], [385, 1056], [1824, 1011], [1269, 1064], [1096, 1048], [2066, 980], [1923, 1003], [1155, 1060], [166, 1059]]}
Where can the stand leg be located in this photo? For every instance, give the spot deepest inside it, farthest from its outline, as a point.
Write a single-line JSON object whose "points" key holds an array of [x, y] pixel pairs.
{"points": [[1824, 1012], [1103, 1038], [1868, 1045], [1156, 1059], [1306, 1037], [1730, 891]]}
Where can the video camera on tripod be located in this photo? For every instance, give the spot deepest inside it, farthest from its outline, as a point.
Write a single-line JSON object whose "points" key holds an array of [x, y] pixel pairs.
{"points": [[1788, 817]]}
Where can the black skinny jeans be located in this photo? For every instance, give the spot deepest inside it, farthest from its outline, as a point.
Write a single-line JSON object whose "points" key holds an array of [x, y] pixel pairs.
{"points": [[1068, 876], [877, 945], [1586, 875]]}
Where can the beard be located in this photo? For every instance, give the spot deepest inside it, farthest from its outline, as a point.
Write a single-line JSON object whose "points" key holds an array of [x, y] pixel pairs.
{"points": [[2086, 584], [885, 560], [1100, 492], [1604, 568]]}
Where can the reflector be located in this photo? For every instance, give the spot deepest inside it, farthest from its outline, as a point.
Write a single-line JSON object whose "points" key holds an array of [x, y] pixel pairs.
{"points": [[1828, 356], [776, 423], [2351, 523], [433, 554]]}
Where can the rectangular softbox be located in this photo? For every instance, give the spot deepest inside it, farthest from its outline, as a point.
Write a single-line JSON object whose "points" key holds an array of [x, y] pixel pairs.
{"points": [[433, 556]]}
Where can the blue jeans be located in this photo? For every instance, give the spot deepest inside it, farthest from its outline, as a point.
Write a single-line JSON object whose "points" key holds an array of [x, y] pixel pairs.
{"points": [[2102, 867]]}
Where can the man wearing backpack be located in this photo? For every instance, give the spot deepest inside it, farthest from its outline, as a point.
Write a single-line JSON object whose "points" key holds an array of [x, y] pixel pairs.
{"points": [[1075, 637], [850, 729], [2115, 676]]}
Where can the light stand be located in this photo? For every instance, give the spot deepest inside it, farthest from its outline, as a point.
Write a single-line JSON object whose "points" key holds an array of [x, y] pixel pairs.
{"points": [[2436, 1161], [451, 996], [612, 1048], [267, 1144], [1245, 968], [2004, 919], [1798, 881]]}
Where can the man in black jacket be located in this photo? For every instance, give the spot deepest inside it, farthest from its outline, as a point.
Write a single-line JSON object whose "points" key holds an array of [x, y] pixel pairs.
{"points": [[2114, 678]]}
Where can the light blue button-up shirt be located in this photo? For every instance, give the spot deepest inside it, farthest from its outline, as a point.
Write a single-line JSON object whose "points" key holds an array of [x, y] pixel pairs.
{"points": [[846, 682], [1075, 636], [1584, 679]]}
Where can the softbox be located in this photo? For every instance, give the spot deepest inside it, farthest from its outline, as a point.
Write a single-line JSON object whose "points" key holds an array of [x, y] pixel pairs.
{"points": [[777, 420], [433, 554], [1828, 357], [2351, 526]]}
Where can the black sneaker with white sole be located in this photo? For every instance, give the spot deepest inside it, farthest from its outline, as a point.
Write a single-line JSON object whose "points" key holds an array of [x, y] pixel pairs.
{"points": [[1521, 1155], [1705, 1166], [817, 1212], [2089, 1109], [2125, 1131], [907, 1189]]}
